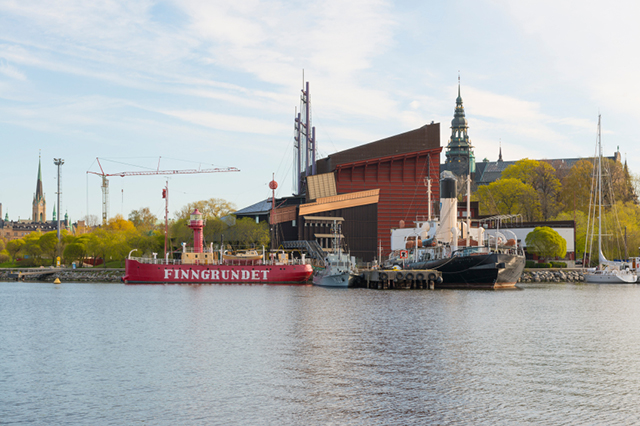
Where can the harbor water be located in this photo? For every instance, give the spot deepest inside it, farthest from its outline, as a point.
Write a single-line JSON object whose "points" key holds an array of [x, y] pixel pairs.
{"points": [[110, 354]]}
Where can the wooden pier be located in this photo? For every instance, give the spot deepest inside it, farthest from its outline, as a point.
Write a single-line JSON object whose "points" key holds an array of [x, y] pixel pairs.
{"points": [[389, 279]]}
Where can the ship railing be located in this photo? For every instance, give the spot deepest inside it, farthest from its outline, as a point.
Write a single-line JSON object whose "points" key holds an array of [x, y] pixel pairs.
{"points": [[294, 261], [152, 261]]}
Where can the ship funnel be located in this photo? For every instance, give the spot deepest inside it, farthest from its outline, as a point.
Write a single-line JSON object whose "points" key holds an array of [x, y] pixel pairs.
{"points": [[448, 206]]}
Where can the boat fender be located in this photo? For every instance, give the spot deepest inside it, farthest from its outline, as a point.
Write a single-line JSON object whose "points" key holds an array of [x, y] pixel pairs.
{"points": [[432, 276], [409, 276], [439, 280], [420, 277], [383, 276], [399, 276]]}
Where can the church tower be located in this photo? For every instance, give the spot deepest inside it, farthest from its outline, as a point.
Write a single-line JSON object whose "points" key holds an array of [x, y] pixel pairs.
{"points": [[39, 212], [460, 158]]}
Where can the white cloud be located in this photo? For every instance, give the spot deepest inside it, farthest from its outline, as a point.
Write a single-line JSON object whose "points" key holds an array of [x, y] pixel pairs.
{"points": [[229, 122], [11, 71]]}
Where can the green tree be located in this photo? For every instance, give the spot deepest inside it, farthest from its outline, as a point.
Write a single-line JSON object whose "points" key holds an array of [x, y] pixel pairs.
{"points": [[247, 233], [32, 246], [49, 245], [541, 176], [523, 170], [576, 187], [73, 252], [14, 247], [213, 207], [143, 219], [546, 242], [508, 196], [4, 256]]}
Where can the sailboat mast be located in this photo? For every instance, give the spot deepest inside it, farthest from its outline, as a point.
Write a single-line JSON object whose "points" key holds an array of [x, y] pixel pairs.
{"points": [[599, 192]]}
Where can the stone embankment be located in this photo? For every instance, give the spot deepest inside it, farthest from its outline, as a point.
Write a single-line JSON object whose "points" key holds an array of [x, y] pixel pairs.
{"points": [[110, 275], [551, 276]]}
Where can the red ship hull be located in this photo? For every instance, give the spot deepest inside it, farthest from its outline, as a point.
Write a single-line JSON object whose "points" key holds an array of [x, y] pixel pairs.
{"points": [[149, 273]]}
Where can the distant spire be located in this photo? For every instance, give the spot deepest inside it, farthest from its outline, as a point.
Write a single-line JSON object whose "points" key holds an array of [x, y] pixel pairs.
{"points": [[500, 154], [39, 204], [39, 191]]}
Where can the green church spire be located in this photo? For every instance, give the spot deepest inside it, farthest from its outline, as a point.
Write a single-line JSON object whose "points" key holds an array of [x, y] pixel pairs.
{"points": [[460, 158]]}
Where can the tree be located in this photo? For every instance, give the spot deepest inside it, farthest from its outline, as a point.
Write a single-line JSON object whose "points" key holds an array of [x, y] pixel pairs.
{"points": [[546, 243], [541, 176], [49, 245], [523, 170], [14, 247], [119, 223], [213, 207], [548, 187], [73, 252], [247, 233], [576, 187], [143, 219], [509, 196], [91, 220], [32, 245]]}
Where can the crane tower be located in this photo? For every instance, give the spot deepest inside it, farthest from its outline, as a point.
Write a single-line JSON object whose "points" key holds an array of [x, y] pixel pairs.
{"points": [[105, 181]]}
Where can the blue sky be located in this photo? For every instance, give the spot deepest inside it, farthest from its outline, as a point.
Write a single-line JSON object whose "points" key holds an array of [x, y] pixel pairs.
{"points": [[215, 84]]}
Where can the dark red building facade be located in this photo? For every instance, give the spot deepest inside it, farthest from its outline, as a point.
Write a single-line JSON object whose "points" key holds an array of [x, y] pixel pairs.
{"points": [[398, 166]]}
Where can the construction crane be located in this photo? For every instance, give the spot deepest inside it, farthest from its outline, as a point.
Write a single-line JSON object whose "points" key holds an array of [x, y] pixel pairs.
{"points": [[105, 181]]}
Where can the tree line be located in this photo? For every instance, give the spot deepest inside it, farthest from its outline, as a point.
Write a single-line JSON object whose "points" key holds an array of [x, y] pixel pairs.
{"points": [[539, 192], [143, 231]]}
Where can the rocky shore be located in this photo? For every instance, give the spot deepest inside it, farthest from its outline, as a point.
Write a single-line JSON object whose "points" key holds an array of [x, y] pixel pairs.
{"points": [[551, 276], [111, 275]]}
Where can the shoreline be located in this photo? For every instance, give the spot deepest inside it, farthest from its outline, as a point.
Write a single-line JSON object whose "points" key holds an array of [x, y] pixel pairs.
{"points": [[114, 275], [110, 275]]}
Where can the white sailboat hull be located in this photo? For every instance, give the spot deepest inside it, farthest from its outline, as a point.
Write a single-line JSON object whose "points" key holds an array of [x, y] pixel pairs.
{"points": [[611, 277]]}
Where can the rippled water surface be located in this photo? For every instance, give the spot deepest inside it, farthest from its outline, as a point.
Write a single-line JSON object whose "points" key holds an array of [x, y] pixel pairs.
{"points": [[100, 354]]}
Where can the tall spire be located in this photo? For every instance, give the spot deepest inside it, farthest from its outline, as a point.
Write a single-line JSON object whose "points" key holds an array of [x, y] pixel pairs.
{"points": [[500, 154], [39, 213], [460, 158], [39, 191]]}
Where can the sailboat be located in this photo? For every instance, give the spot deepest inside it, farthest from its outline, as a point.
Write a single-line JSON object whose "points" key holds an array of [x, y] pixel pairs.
{"points": [[607, 271]]}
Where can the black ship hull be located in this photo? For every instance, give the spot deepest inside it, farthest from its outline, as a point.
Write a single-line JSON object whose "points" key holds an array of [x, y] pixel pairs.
{"points": [[477, 271]]}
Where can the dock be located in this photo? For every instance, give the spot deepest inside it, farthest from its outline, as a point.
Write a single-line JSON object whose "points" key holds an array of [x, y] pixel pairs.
{"points": [[389, 279]]}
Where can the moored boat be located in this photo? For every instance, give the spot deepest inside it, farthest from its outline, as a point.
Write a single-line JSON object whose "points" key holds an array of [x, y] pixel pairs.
{"points": [[607, 271], [338, 268], [463, 262], [211, 267]]}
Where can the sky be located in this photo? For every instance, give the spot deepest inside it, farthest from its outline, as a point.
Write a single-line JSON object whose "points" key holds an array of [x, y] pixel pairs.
{"points": [[147, 85]]}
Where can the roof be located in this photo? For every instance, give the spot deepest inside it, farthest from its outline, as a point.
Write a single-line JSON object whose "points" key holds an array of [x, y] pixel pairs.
{"points": [[426, 137], [264, 207], [261, 207]]}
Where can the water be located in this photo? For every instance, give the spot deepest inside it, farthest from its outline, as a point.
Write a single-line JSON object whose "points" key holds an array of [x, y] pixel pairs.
{"points": [[109, 354]]}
